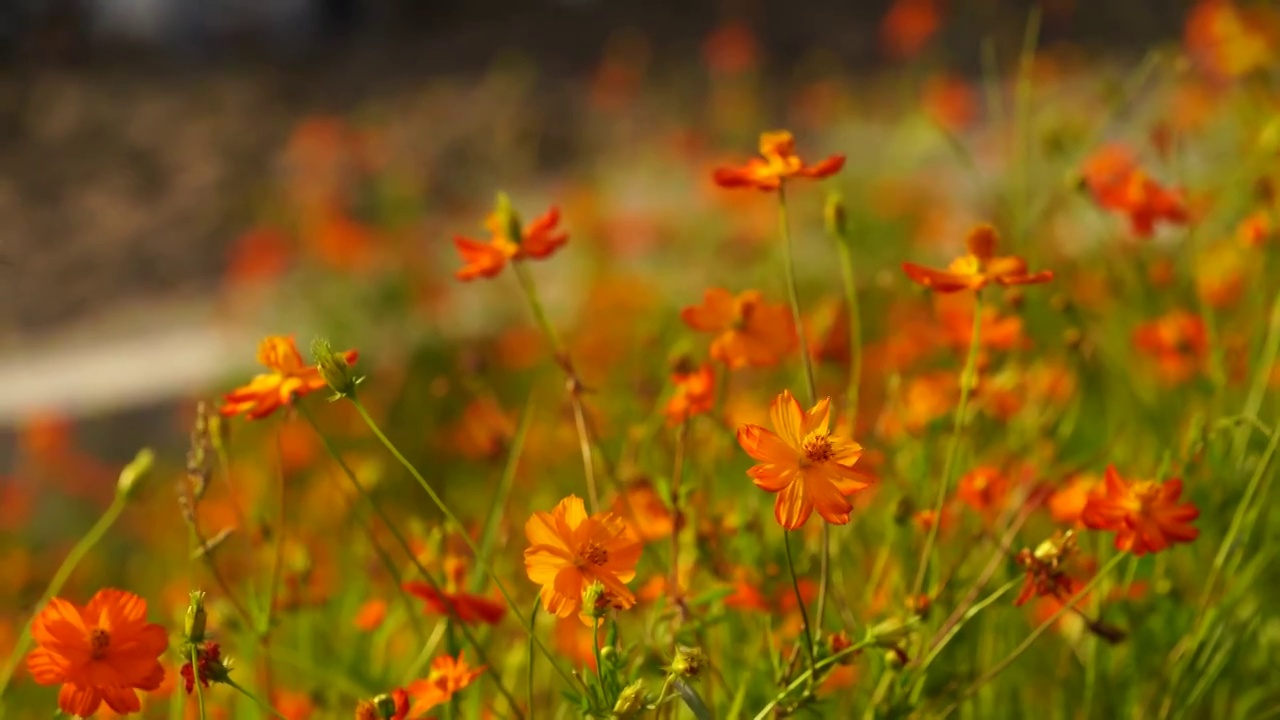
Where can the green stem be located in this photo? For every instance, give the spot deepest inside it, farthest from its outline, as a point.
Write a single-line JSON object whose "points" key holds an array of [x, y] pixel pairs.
{"points": [[793, 296], [486, 564], [490, 533], [1261, 381], [1070, 603], [404, 545], [968, 377], [533, 618], [254, 698], [195, 675], [968, 615], [795, 585], [69, 563], [855, 333], [808, 674]]}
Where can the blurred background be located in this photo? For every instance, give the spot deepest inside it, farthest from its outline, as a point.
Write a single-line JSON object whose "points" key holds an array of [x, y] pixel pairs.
{"points": [[164, 161]]}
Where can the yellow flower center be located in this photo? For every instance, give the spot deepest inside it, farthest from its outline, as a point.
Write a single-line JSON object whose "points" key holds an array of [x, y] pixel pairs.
{"points": [[99, 639], [594, 553], [817, 448]]}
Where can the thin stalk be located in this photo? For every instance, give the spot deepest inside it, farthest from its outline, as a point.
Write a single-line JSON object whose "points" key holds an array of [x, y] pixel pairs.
{"points": [[255, 699], [793, 296], [677, 475], [69, 563], [968, 377], [1070, 603], [490, 533], [486, 564], [953, 628], [795, 586], [1261, 380], [533, 618], [195, 674], [855, 334], [413, 557]]}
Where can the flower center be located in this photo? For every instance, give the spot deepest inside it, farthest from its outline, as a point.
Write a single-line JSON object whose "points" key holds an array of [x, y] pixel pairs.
{"points": [[594, 553], [99, 639], [817, 448]]}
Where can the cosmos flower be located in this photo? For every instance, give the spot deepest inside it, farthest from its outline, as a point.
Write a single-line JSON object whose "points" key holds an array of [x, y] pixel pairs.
{"points": [[750, 332], [1145, 515], [102, 653], [508, 240], [803, 463], [569, 550], [694, 394], [1178, 343], [778, 162], [466, 607], [979, 268], [1116, 183], [448, 676], [289, 379]]}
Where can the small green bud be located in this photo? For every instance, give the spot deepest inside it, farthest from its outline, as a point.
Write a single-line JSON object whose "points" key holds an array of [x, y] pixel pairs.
{"points": [[508, 221], [689, 661], [194, 626], [594, 601], [630, 701], [334, 368], [135, 473], [836, 217], [386, 706]]}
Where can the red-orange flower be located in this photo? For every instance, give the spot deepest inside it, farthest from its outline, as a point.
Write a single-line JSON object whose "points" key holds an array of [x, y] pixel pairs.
{"points": [[1144, 515], [289, 379], [778, 162], [1178, 343], [803, 463], [103, 652], [908, 25], [1117, 183], [569, 550], [465, 607], [509, 241], [371, 614], [1046, 576], [751, 332], [447, 677], [979, 268], [984, 489], [694, 394]]}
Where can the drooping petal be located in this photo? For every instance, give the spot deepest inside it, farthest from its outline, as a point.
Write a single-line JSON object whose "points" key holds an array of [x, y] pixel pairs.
{"points": [[793, 506], [788, 419], [941, 280], [827, 499], [765, 445], [823, 168], [47, 668], [713, 315], [79, 701]]}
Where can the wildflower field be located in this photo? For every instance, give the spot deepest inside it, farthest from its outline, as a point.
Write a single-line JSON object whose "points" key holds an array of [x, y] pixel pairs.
{"points": [[956, 398]]}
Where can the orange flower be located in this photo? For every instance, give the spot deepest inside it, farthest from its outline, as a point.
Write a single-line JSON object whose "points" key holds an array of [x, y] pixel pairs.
{"points": [[644, 510], [1256, 230], [977, 269], [1068, 503], [102, 652], [950, 101], [1046, 576], [569, 550], [509, 241], [984, 489], [289, 378], [751, 332], [447, 677], [467, 608], [1177, 341], [778, 163], [1144, 515], [370, 615], [1226, 40], [1117, 183], [802, 462], [694, 395], [908, 26]]}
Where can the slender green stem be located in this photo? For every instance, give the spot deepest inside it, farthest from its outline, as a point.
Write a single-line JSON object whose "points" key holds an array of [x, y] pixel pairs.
{"points": [[795, 586], [486, 564], [793, 296], [413, 556], [1070, 603], [808, 674], [255, 699], [195, 675], [69, 563], [855, 333], [490, 533], [968, 378], [533, 618], [1261, 380], [968, 615]]}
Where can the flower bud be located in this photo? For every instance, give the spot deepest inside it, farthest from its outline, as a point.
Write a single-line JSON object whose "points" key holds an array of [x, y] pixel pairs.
{"points": [[334, 368], [836, 217], [595, 602], [689, 661], [630, 701], [194, 625], [386, 706], [507, 221], [366, 710], [137, 471]]}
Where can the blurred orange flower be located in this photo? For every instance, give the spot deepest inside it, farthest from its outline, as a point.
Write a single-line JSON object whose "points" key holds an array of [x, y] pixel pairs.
{"points": [[977, 269], [1046, 576], [370, 615], [730, 49], [908, 26], [1256, 229], [289, 378], [751, 331], [984, 489], [1068, 503], [1145, 515], [447, 677], [1227, 41], [1116, 182], [1177, 341], [950, 101], [103, 652], [644, 510], [509, 241], [465, 607], [779, 163], [803, 463], [569, 550], [694, 394], [484, 429]]}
